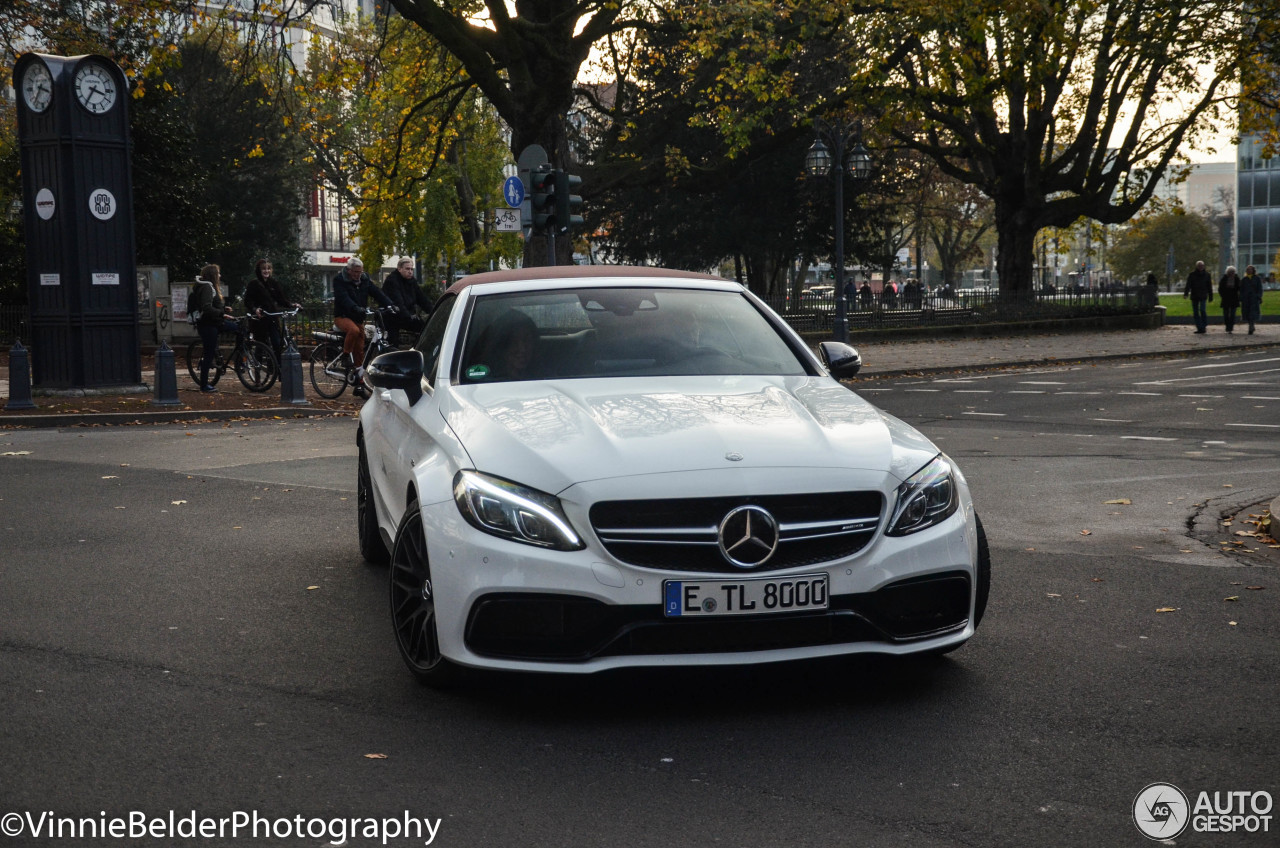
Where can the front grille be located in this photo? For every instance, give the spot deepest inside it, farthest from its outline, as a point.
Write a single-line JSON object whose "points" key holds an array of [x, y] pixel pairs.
{"points": [[680, 534], [565, 628]]}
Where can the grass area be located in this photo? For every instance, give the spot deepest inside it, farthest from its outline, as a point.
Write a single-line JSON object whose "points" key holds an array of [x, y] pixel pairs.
{"points": [[1178, 306]]}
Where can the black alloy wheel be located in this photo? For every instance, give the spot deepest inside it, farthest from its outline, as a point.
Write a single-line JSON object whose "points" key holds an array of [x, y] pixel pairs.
{"points": [[413, 604]]}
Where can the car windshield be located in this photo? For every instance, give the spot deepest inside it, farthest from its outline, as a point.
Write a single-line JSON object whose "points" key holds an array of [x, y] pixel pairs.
{"points": [[620, 332]]}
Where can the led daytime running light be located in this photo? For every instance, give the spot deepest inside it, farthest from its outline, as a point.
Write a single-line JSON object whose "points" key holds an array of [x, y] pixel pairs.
{"points": [[520, 507]]}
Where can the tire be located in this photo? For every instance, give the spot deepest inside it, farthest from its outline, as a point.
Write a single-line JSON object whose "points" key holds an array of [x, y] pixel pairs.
{"points": [[195, 351], [328, 375], [258, 368], [983, 589], [371, 545], [413, 611]]}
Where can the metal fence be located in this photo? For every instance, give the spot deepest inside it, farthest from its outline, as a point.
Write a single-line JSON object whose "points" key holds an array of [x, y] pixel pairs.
{"points": [[815, 314], [963, 306]]}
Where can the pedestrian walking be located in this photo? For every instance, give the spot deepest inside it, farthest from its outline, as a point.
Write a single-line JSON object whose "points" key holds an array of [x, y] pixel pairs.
{"points": [[1251, 297], [265, 293], [866, 296], [1200, 289], [1229, 297]]}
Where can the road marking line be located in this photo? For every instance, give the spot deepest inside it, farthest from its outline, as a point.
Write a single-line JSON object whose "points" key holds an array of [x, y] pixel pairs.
{"points": [[1258, 397], [1043, 383], [1114, 420], [1077, 393], [1148, 438], [1206, 377], [1233, 364], [1026, 391], [1141, 394], [1263, 426], [1206, 397], [973, 391], [922, 390], [994, 414]]}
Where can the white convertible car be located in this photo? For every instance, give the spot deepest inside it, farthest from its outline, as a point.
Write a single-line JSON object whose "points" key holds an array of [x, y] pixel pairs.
{"points": [[585, 468]]}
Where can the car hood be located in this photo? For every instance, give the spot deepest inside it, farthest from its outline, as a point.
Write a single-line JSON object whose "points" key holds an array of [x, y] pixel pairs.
{"points": [[551, 435]]}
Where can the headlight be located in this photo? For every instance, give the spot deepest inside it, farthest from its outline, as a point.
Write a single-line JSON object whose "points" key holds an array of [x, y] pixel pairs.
{"points": [[925, 499], [506, 509]]}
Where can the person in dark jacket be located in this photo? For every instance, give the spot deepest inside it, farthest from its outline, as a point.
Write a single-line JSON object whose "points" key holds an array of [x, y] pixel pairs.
{"points": [[206, 298], [1251, 297], [1200, 289], [266, 293], [404, 291], [1229, 297], [352, 289]]}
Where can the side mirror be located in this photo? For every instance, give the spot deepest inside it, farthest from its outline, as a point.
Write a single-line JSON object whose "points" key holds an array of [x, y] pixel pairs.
{"points": [[841, 359], [397, 369]]}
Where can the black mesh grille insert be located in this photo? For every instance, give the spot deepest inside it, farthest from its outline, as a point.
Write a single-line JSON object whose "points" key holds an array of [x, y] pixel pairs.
{"points": [[680, 534]]}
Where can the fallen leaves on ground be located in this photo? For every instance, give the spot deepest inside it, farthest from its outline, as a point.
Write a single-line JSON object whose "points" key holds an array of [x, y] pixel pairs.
{"points": [[1124, 501], [1168, 609]]}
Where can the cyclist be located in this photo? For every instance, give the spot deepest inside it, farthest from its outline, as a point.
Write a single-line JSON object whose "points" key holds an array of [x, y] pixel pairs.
{"points": [[206, 299], [265, 293], [352, 289], [404, 291]]}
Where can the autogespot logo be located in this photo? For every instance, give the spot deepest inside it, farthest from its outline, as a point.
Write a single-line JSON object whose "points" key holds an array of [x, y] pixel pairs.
{"points": [[748, 536], [1160, 811]]}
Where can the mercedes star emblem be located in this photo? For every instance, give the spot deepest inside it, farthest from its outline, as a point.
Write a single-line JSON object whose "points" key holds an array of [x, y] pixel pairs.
{"points": [[748, 536]]}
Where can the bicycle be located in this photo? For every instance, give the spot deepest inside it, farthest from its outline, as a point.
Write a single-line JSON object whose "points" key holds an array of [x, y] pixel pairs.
{"points": [[287, 335], [252, 361], [330, 372]]}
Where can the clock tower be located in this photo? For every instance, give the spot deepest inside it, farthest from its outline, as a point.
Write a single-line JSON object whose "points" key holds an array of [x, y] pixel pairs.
{"points": [[73, 132]]}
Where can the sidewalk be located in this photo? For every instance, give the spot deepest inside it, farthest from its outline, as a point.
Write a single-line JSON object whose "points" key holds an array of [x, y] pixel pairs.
{"points": [[881, 358]]}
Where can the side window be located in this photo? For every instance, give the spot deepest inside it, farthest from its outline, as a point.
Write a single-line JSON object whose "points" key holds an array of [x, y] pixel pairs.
{"points": [[433, 336]]}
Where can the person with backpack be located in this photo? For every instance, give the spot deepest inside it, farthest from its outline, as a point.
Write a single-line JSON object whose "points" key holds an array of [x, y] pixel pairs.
{"points": [[207, 311]]}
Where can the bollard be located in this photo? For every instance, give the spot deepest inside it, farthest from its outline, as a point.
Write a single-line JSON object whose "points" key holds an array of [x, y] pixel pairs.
{"points": [[19, 378], [166, 385], [292, 389]]}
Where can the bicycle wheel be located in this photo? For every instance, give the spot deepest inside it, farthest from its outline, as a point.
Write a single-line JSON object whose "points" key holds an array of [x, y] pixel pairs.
{"points": [[257, 367], [328, 372], [195, 352]]}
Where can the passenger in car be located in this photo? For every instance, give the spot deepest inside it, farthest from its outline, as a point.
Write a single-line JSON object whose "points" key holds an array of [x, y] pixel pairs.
{"points": [[509, 346]]}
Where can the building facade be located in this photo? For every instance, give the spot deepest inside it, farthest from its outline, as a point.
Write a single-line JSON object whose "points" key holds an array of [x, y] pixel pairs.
{"points": [[1257, 207]]}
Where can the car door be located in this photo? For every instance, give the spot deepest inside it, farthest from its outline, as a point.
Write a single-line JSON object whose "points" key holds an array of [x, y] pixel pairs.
{"points": [[407, 436]]}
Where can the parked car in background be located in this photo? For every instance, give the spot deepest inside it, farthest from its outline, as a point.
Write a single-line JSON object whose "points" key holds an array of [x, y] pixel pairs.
{"points": [[584, 468]]}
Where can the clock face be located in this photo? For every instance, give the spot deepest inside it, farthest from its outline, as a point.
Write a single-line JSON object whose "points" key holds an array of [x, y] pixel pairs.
{"points": [[95, 88], [37, 87]]}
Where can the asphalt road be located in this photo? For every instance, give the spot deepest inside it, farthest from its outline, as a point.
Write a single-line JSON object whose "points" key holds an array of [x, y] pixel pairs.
{"points": [[185, 625]]}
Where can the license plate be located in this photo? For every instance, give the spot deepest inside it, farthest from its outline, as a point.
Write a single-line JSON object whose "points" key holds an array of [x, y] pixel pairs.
{"points": [[751, 596]]}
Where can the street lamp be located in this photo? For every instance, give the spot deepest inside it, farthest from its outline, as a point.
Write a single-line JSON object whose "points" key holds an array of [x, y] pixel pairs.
{"points": [[818, 163]]}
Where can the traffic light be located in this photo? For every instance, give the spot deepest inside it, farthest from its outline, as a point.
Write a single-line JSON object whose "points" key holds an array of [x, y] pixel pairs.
{"points": [[567, 203], [542, 193]]}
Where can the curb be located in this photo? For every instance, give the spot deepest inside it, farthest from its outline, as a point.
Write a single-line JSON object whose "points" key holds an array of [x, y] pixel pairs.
{"points": [[193, 416]]}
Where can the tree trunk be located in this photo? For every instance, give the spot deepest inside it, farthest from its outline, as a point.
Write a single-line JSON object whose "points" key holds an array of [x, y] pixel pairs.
{"points": [[1015, 252]]}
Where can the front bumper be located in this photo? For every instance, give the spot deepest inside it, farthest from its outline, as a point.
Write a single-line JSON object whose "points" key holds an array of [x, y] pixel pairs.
{"points": [[507, 606]]}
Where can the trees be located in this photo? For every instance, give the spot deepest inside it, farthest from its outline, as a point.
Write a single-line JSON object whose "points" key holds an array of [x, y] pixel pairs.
{"points": [[526, 63], [218, 176], [1062, 109], [1148, 242], [414, 149]]}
